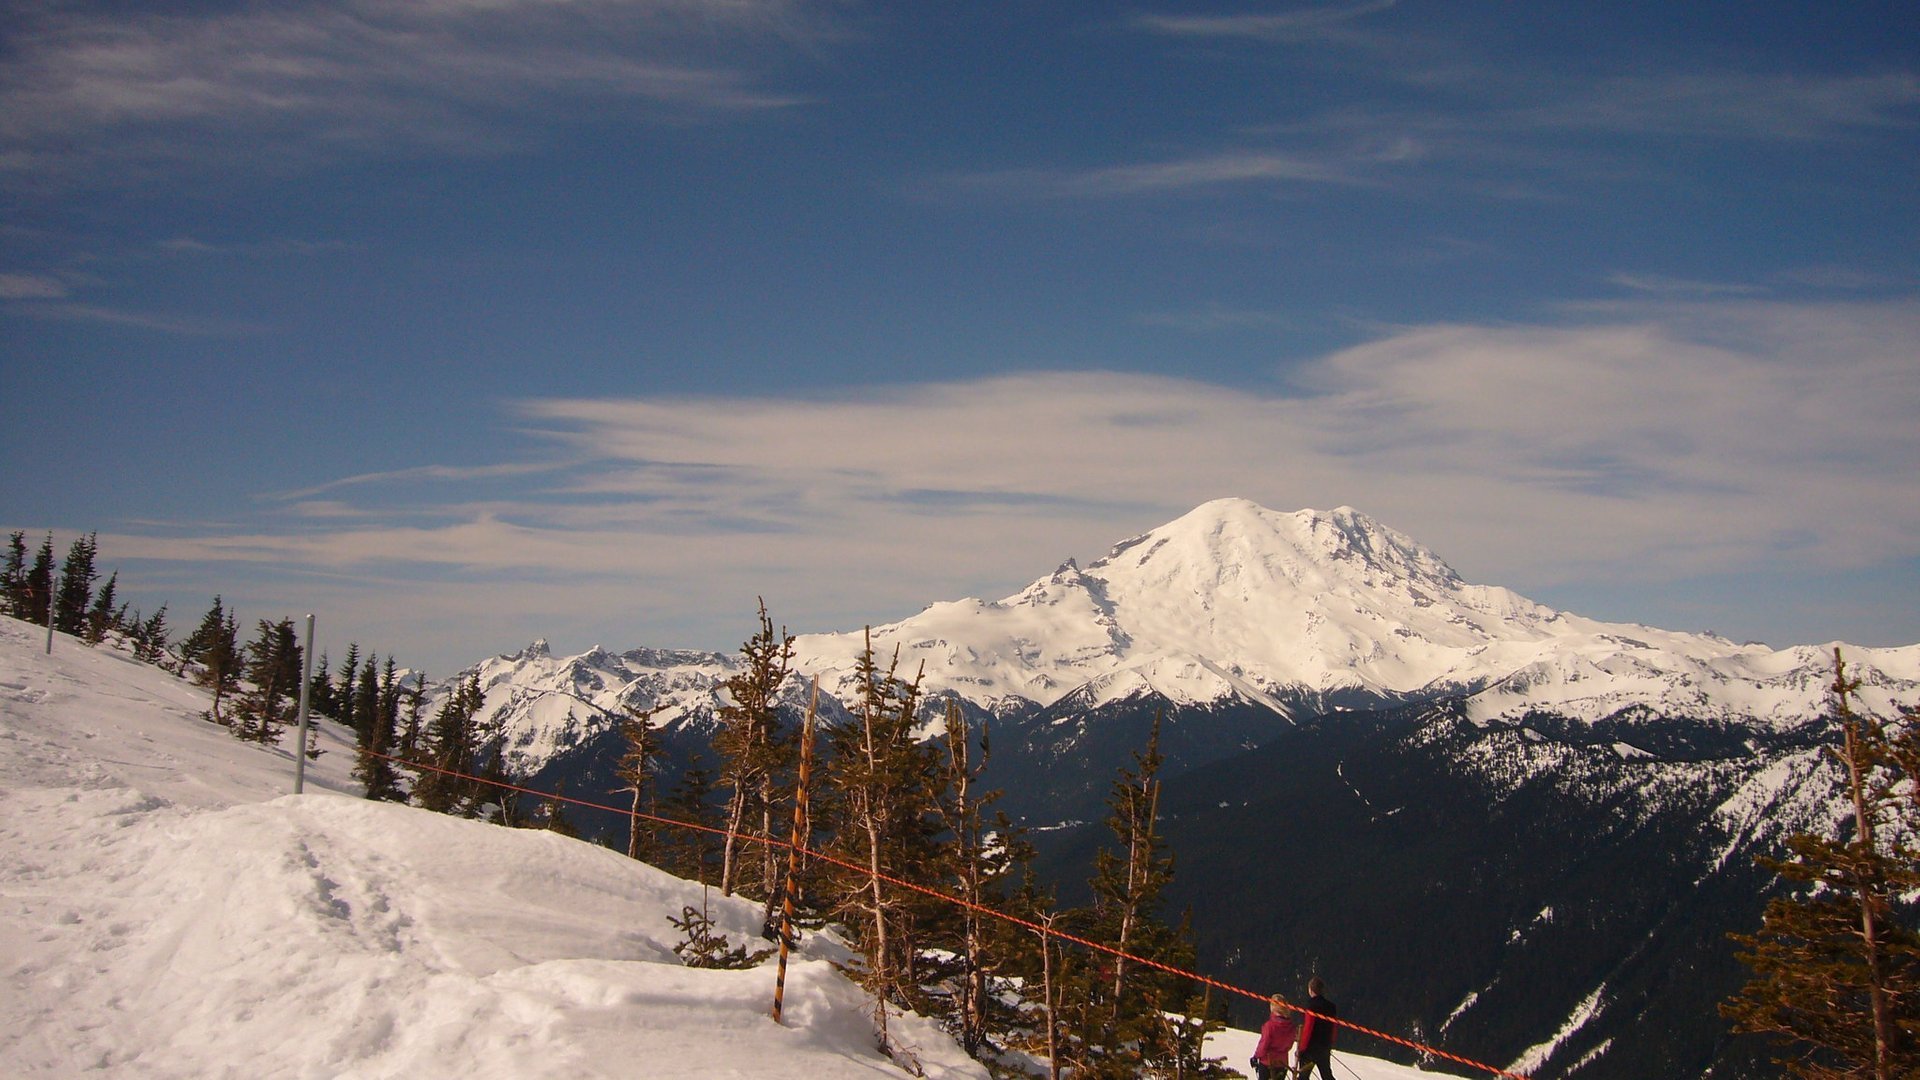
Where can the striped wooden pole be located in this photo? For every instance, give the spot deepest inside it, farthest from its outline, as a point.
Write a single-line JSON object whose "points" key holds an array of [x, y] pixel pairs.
{"points": [[793, 850]]}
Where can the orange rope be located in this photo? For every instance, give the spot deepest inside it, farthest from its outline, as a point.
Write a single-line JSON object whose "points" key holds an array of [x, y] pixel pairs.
{"points": [[1016, 920]]}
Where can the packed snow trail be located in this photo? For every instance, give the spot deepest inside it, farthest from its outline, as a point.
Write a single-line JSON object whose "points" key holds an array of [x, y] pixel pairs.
{"points": [[167, 912]]}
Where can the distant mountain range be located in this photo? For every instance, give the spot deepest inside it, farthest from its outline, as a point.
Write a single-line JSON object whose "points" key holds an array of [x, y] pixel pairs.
{"points": [[1367, 758]]}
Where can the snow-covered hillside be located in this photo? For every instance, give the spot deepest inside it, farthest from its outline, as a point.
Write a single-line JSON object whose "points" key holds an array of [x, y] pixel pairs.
{"points": [[168, 910]]}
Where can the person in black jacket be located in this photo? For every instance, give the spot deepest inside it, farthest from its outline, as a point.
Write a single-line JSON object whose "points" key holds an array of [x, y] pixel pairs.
{"points": [[1316, 1037]]}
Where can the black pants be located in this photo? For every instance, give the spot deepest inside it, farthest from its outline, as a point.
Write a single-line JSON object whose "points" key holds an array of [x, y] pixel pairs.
{"points": [[1323, 1060]]}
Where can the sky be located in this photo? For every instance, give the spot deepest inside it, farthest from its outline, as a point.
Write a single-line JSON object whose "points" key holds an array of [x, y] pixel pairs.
{"points": [[465, 322]]}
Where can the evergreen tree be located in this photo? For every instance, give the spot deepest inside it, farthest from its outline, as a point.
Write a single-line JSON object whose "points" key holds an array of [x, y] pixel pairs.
{"points": [[879, 787], [635, 770], [974, 866], [1118, 1012], [754, 752], [1836, 962], [150, 637], [39, 587], [75, 591], [693, 853], [414, 700], [14, 597], [273, 671], [320, 688], [343, 693], [375, 706], [213, 652], [702, 948], [102, 618], [453, 743]]}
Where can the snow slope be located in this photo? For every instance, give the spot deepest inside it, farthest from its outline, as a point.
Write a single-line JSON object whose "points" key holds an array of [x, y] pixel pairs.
{"points": [[167, 910]]}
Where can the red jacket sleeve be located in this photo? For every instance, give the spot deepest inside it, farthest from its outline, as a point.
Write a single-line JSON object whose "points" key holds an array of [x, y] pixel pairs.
{"points": [[1306, 1029]]}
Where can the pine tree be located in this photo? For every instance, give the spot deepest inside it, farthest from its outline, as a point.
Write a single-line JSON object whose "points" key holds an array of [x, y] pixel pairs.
{"points": [[343, 692], [39, 586], [702, 948], [213, 652], [375, 709], [693, 853], [273, 669], [75, 592], [754, 752], [150, 637], [974, 866], [1120, 1019], [879, 787], [635, 770], [453, 743], [102, 618], [320, 688], [1836, 962], [14, 598]]}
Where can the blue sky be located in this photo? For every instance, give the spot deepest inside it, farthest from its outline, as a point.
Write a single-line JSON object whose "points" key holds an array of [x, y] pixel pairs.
{"points": [[461, 322]]}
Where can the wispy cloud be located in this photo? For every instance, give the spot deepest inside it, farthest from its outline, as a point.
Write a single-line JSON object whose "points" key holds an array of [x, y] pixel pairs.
{"points": [[95, 83], [31, 287], [1315, 23], [179, 325], [1200, 172], [430, 473], [1662, 285]]}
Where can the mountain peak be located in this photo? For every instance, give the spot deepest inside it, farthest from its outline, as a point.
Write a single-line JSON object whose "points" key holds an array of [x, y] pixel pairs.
{"points": [[1234, 538]]}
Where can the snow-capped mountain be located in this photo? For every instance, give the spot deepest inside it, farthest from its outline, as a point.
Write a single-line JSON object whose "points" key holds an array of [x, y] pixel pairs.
{"points": [[1232, 607], [1313, 609]]}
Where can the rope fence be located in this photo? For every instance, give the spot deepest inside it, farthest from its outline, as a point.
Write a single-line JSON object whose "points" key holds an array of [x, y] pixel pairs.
{"points": [[799, 850]]}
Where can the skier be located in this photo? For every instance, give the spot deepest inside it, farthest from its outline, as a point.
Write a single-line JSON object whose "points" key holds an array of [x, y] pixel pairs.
{"points": [[1277, 1036], [1316, 1035]]}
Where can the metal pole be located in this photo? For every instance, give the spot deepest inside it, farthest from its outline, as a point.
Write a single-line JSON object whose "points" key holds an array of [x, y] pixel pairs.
{"points": [[306, 689], [52, 595], [793, 850]]}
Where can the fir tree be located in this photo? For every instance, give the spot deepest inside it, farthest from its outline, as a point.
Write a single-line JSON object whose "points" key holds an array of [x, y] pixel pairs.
{"points": [[880, 788], [320, 689], [103, 618], [693, 853], [754, 751], [150, 637], [453, 740], [702, 947], [39, 586], [273, 669], [974, 866], [1836, 962], [343, 693], [14, 597], [75, 591], [1118, 1012], [213, 651], [635, 770]]}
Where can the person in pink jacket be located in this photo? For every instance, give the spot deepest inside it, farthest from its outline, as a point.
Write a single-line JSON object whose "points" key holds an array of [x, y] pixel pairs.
{"points": [[1277, 1037]]}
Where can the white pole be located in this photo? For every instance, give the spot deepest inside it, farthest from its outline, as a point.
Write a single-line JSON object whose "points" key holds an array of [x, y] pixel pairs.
{"points": [[306, 688]]}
